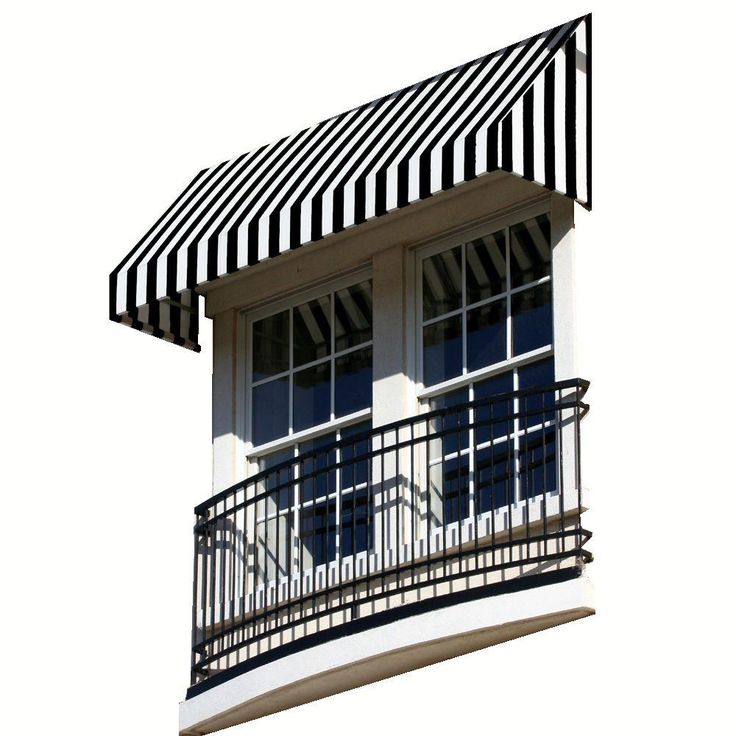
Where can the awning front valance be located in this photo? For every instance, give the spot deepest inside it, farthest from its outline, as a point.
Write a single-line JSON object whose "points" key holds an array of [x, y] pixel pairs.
{"points": [[524, 109]]}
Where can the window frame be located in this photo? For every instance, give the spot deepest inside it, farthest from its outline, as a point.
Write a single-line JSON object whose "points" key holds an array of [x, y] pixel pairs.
{"points": [[251, 452], [461, 238]]}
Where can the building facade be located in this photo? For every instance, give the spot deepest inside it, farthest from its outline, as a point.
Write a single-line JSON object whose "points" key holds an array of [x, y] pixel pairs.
{"points": [[396, 405]]}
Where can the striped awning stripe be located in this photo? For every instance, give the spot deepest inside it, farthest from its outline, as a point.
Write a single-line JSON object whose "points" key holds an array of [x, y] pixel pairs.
{"points": [[524, 109]]}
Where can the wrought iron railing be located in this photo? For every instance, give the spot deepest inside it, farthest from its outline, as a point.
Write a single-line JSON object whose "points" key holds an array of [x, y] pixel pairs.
{"points": [[458, 498]]}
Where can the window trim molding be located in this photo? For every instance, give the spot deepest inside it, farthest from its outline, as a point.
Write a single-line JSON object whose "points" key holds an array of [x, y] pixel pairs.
{"points": [[247, 451]]}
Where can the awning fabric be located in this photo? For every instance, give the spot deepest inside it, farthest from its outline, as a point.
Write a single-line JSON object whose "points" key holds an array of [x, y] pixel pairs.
{"points": [[525, 109]]}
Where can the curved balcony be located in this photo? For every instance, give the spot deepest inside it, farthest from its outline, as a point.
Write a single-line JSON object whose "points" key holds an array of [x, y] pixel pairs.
{"points": [[455, 504]]}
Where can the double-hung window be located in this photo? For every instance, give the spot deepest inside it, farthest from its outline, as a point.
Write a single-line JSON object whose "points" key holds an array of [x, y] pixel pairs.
{"points": [[485, 313], [309, 386]]}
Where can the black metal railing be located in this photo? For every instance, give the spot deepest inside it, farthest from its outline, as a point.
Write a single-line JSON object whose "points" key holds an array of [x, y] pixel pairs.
{"points": [[462, 496]]}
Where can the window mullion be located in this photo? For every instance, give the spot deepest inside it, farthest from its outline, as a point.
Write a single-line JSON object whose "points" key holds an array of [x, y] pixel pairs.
{"points": [[463, 302], [291, 370]]}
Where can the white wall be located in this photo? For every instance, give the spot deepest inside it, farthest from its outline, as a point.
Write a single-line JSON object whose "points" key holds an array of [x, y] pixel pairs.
{"points": [[108, 111]]}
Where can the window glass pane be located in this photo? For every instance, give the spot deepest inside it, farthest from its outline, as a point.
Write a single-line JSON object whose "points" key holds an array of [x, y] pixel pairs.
{"points": [[356, 534], [493, 418], [538, 463], [487, 335], [443, 345], [353, 381], [456, 489], [270, 410], [531, 319], [531, 253], [353, 316], [312, 336], [442, 282], [494, 477], [541, 373], [271, 346], [485, 269], [311, 396], [318, 533], [354, 474], [277, 481], [450, 426], [317, 469]]}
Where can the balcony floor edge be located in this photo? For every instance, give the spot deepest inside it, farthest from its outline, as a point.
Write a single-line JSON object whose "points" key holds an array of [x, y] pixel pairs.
{"points": [[456, 624]]}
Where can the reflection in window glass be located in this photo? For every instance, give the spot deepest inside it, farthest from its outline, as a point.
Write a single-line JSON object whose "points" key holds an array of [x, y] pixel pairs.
{"points": [[312, 336], [531, 319], [538, 466], [353, 316], [494, 418], [486, 335], [353, 381], [485, 269], [317, 471], [358, 445], [278, 480], [318, 527], [531, 252], [494, 476], [270, 410], [541, 373], [304, 342], [443, 350], [442, 282], [450, 426], [271, 346], [311, 401]]}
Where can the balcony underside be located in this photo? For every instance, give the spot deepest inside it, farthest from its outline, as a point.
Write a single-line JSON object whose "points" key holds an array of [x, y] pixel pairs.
{"points": [[397, 640]]}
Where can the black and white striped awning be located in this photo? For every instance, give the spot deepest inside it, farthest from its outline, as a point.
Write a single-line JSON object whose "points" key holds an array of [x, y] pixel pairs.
{"points": [[524, 109]]}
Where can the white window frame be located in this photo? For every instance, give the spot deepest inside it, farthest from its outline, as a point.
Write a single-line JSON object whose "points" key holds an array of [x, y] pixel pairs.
{"points": [[248, 317]]}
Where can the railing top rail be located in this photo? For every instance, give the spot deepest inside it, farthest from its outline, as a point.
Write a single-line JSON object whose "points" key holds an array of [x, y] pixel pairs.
{"points": [[576, 383]]}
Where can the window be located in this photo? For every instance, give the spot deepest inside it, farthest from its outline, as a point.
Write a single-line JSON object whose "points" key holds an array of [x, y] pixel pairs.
{"points": [[486, 301], [310, 385], [486, 329], [310, 496], [311, 364]]}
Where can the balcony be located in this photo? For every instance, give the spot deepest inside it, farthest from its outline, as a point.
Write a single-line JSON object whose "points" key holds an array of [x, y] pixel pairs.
{"points": [[453, 505]]}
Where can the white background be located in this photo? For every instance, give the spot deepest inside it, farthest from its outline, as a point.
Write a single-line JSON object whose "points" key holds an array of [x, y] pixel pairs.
{"points": [[108, 110]]}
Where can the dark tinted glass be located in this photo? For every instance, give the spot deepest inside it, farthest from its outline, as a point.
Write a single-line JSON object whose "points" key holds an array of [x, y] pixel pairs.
{"points": [[451, 426], [317, 467], [531, 254], [311, 396], [456, 489], [493, 418], [278, 481], [312, 336], [353, 474], [353, 316], [270, 410], [538, 463], [486, 335], [485, 267], [353, 381], [443, 345], [531, 319], [442, 282], [356, 533], [271, 346], [318, 531], [494, 478], [541, 373]]}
